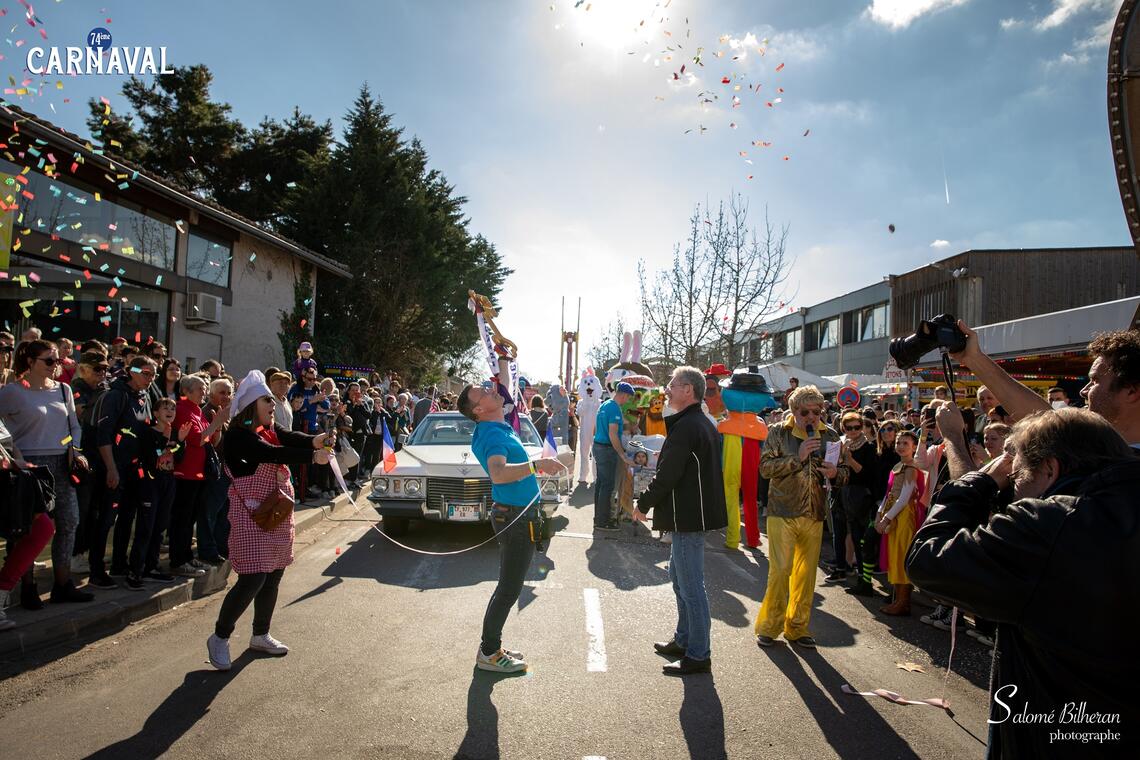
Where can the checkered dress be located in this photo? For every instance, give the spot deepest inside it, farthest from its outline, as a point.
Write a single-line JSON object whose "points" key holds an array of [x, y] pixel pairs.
{"points": [[253, 550]]}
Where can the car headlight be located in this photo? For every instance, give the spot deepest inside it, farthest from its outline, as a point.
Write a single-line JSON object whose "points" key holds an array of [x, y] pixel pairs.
{"points": [[413, 486], [380, 485], [549, 488]]}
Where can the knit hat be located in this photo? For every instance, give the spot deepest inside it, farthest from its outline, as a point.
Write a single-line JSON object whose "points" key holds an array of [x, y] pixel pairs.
{"points": [[250, 389]]}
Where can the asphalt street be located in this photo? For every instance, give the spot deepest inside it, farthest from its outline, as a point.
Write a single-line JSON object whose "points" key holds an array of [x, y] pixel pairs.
{"points": [[382, 665]]}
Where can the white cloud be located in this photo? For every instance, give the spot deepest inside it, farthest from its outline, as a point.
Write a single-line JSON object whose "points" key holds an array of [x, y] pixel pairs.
{"points": [[1011, 23], [1068, 59], [940, 244], [899, 14], [1064, 10]]}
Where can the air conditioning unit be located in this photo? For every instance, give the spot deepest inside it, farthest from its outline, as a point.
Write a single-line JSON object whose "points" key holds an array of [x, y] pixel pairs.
{"points": [[202, 308]]}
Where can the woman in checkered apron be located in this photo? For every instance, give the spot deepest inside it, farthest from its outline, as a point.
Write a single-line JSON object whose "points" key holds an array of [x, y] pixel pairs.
{"points": [[257, 452]]}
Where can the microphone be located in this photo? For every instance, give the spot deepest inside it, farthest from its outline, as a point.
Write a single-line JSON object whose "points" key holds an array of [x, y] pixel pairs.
{"points": [[810, 430]]}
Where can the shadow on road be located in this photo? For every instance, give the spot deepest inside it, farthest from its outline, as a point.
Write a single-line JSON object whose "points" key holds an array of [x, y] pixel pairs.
{"points": [[702, 718], [582, 496], [177, 714], [481, 742], [849, 723]]}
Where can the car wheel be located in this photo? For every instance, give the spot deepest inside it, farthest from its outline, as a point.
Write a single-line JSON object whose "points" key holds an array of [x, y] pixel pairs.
{"points": [[395, 526]]}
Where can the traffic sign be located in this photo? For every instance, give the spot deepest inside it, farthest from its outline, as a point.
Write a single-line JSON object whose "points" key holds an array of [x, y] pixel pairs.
{"points": [[848, 397]]}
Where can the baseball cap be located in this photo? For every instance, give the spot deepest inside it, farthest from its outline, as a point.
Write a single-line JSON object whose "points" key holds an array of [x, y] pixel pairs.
{"points": [[94, 359], [118, 341], [625, 388], [306, 346]]}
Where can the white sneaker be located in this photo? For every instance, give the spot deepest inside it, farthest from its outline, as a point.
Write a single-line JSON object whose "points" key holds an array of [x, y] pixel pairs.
{"points": [[219, 651], [80, 565], [499, 662], [189, 571], [268, 644], [5, 623]]}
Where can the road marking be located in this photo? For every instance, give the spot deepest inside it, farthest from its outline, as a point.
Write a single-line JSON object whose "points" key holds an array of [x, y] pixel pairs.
{"points": [[596, 652]]}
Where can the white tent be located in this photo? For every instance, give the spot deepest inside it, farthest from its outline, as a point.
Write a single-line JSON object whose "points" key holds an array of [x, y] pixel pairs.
{"points": [[777, 374], [859, 381]]}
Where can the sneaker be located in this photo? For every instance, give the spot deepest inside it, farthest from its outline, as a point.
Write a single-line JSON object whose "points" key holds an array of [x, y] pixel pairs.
{"points": [[219, 651], [939, 612], [513, 653], [134, 581], [862, 587], [943, 623], [765, 641], [80, 565], [201, 565], [102, 580], [609, 527], [666, 537], [158, 575], [836, 575], [268, 644], [314, 491], [980, 637], [804, 641], [499, 662], [211, 562], [189, 571]]}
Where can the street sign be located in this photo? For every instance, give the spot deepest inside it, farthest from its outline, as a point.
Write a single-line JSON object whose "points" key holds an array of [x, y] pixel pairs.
{"points": [[892, 372], [848, 397]]}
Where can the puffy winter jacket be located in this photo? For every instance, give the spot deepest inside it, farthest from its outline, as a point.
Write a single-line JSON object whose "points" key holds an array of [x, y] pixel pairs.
{"points": [[1061, 577], [687, 493], [795, 487]]}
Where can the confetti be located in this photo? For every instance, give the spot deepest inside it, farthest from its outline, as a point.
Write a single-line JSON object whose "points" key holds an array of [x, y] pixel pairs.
{"points": [[910, 667]]}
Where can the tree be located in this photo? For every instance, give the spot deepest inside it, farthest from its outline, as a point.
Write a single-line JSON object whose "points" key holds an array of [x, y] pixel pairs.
{"points": [[296, 324], [606, 350], [399, 227], [181, 134], [723, 283]]}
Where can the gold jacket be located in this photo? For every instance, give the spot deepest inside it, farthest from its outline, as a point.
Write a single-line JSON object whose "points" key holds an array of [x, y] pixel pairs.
{"points": [[795, 488]]}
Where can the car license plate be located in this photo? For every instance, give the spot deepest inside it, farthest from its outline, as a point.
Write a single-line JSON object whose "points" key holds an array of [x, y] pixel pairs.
{"points": [[463, 511]]}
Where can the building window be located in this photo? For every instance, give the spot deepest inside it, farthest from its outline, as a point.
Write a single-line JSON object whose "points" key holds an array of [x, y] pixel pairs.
{"points": [[851, 327], [875, 321], [794, 342], [70, 211], [823, 334], [208, 260], [63, 302]]}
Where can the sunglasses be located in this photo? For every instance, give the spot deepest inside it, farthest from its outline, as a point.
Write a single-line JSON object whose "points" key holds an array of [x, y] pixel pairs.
{"points": [[852, 427], [888, 429], [102, 369], [49, 361], [7, 349]]}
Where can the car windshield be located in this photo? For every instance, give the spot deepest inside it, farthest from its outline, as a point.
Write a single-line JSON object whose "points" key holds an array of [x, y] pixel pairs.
{"points": [[456, 430]]}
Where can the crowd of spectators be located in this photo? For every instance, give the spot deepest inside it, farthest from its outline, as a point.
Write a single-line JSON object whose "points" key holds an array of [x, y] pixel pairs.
{"points": [[134, 443]]}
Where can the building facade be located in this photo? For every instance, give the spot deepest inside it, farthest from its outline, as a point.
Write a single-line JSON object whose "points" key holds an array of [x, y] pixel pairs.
{"points": [[93, 247]]}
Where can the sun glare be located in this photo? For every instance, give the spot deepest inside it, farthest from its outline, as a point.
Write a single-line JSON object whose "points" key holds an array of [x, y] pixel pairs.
{"points": [[616, 24]]}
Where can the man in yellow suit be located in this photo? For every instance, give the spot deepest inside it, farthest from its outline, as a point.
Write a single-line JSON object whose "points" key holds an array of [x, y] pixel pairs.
{"points": [[795, 462]]}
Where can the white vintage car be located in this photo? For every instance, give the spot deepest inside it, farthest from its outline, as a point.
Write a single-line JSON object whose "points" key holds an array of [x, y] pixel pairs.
{"points": [[437, 478]]}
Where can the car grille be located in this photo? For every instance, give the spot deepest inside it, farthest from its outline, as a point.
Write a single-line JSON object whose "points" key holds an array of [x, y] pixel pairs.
{"points": [[457, 489]]}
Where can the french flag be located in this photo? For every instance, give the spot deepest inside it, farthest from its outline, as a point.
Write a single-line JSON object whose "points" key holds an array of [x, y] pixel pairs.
{"points": [[549, 447], [389, 451]]}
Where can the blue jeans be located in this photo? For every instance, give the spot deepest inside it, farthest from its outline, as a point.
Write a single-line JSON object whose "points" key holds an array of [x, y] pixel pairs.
{"points": [[687, 572], [605, 470], [214, 521]]}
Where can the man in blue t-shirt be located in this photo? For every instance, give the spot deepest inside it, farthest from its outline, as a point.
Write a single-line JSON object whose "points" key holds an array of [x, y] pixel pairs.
{"points": [[608, 451], [514, 489]]}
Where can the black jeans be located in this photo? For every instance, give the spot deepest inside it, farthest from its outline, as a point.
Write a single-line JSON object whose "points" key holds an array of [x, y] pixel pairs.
{"points": [[153, 520], [857, 507], [259, 588], [189, 501], [114, 508], [838, 531], [515, 553]]}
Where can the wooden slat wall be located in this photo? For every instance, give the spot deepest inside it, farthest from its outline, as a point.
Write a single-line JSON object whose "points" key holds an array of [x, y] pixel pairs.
{"points": [[1014, 285]]}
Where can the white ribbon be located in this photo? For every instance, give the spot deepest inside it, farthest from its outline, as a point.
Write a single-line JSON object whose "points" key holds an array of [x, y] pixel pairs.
{"points": [[335, 465]]}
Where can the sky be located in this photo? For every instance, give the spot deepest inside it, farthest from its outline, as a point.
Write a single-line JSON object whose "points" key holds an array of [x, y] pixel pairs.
{"points": [[582, 148]]}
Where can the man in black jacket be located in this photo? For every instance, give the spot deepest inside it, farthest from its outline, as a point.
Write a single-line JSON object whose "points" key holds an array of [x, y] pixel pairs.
{"points": [[1058, 569], [687, 499]]}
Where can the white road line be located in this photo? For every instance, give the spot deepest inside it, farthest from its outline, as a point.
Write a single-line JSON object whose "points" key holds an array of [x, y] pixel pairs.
{"points": [[596, 653]]}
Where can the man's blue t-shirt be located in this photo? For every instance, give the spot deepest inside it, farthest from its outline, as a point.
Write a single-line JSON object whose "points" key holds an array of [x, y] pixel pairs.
{"points": [[308, 411], [498, 439], [608, 413]]}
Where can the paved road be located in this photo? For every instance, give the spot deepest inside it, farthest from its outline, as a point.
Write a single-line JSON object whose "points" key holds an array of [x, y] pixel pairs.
{"points": [[382, 666]]}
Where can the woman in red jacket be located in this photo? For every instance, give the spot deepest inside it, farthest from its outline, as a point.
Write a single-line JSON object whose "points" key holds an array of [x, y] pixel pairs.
{"points": [[199, 464]]}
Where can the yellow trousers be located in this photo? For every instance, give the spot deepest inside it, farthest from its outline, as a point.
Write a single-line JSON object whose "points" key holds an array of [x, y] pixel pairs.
{"points": [[793, 554], [731, 470]]}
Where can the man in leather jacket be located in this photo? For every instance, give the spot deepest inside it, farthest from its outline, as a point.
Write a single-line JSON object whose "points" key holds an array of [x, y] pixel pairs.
{"points": [[1058, 569], [687, 498]]}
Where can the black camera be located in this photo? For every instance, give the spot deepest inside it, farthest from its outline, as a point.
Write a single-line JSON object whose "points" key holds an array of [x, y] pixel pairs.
{"points": [[940, 332]]}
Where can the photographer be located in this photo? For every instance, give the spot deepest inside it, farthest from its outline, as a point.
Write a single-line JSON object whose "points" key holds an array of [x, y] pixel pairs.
{"points": [[1071, 535]]}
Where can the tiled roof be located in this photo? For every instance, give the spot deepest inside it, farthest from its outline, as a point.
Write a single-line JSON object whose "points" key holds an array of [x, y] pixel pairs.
{"points": [[170, 189]]}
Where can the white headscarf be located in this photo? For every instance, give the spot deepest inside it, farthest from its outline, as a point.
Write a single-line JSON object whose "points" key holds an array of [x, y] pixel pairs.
{"points": [[250, 389]]}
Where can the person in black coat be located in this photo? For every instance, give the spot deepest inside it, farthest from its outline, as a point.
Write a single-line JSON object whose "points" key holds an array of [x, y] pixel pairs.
{"points": [[1058, 569], [687, 498]]}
